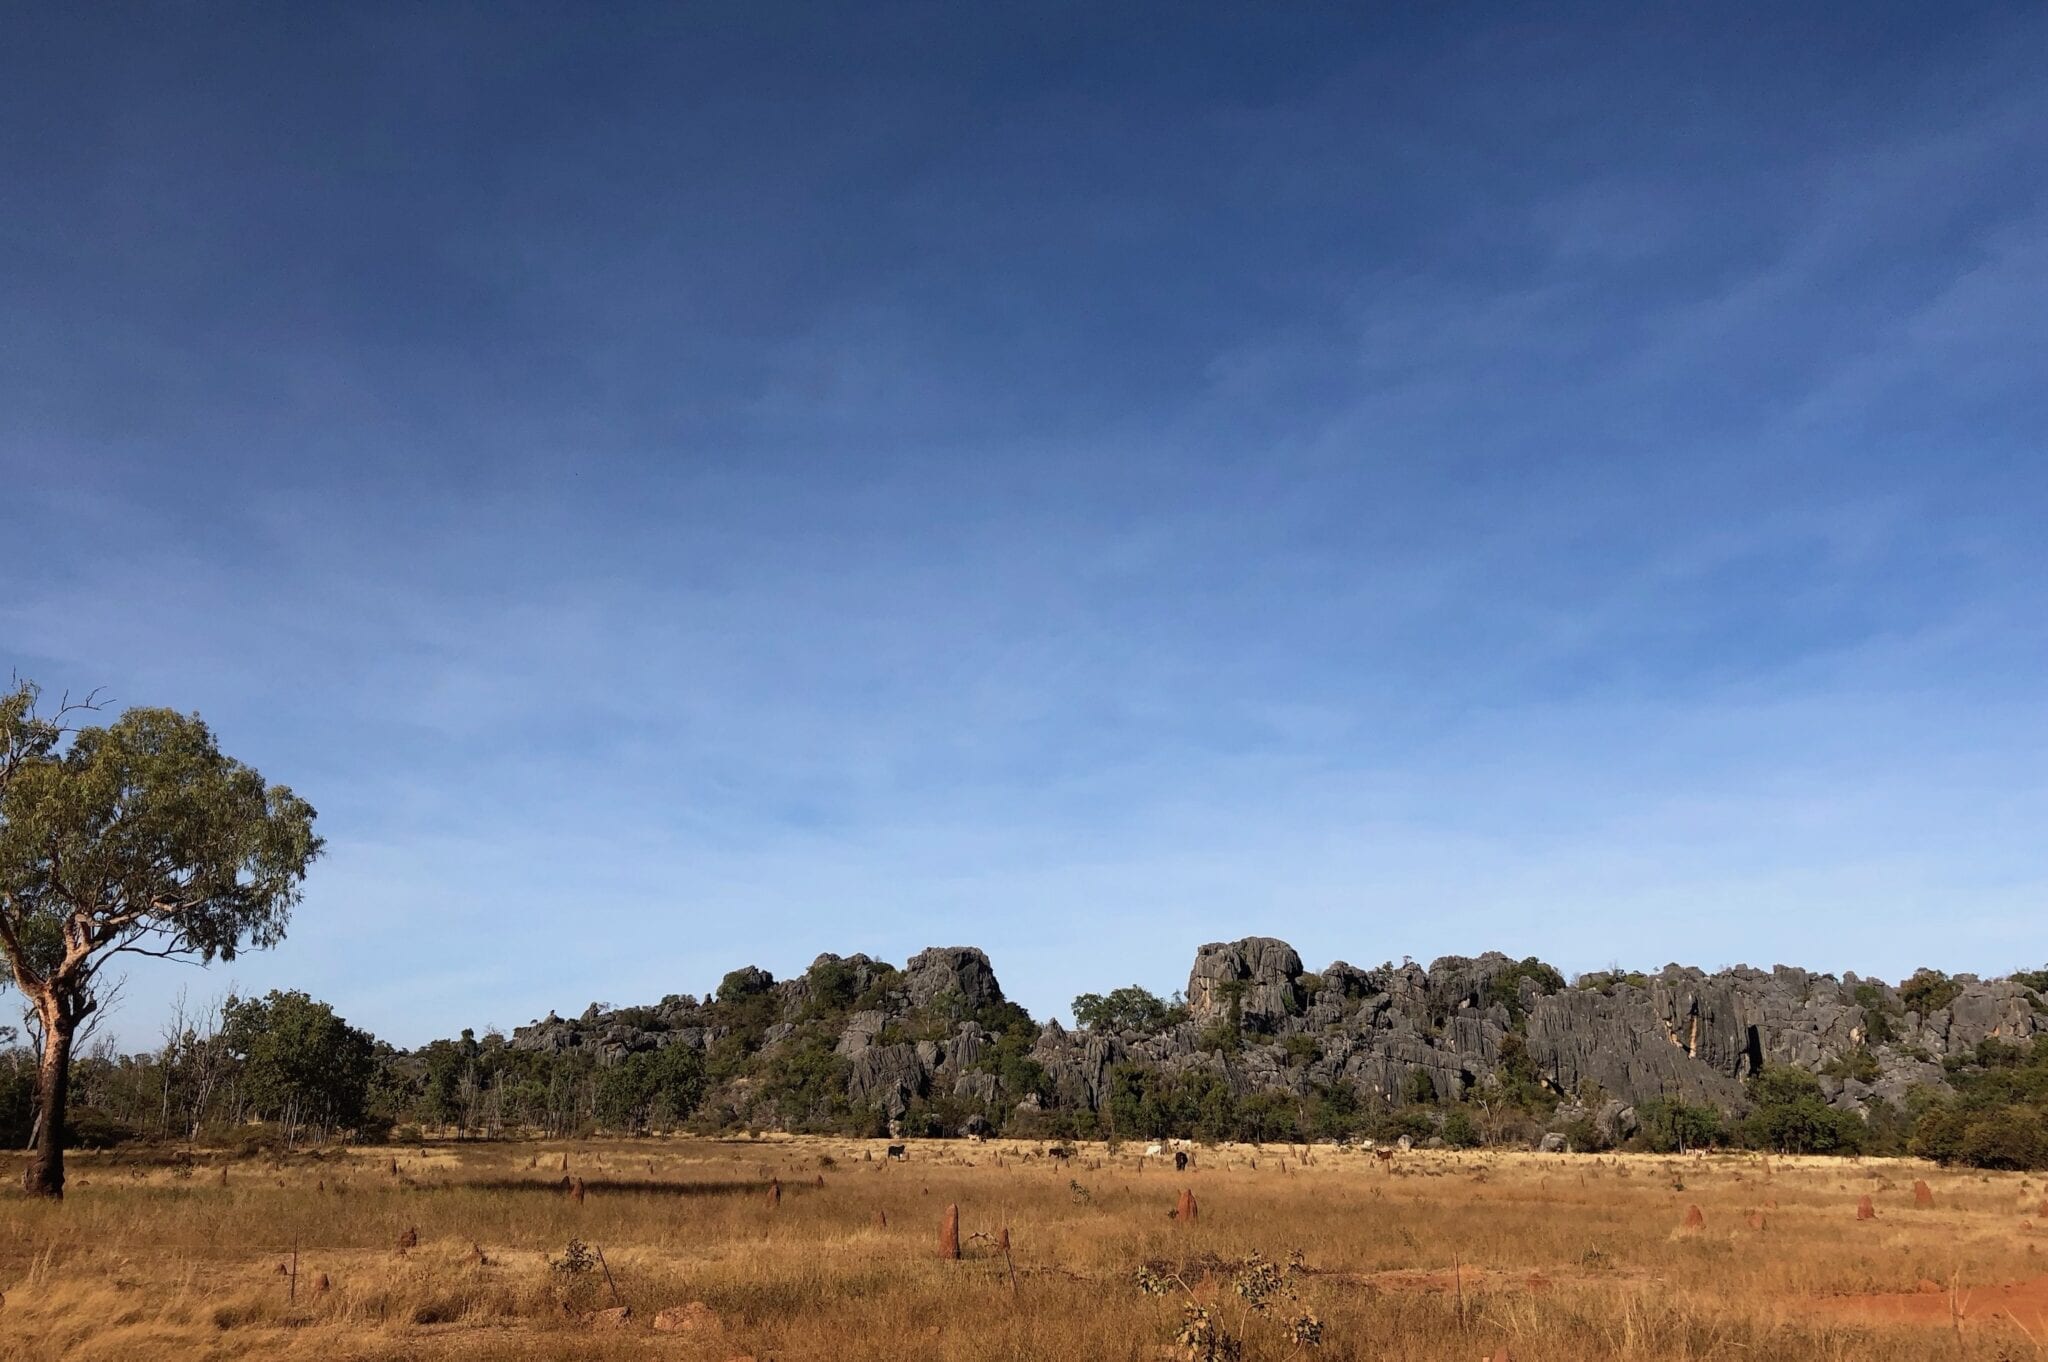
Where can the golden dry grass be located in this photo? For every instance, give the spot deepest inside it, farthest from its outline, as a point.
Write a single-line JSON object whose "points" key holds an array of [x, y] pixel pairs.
{"points": [[1562, 1259]]}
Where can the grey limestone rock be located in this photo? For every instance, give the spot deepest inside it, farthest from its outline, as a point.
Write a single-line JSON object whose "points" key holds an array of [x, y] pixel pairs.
{"points": [[1608, 1043], [1263, 974]]}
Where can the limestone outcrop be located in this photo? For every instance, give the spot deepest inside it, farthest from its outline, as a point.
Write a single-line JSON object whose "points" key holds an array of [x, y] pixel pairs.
{"points": [[939, 1032]]}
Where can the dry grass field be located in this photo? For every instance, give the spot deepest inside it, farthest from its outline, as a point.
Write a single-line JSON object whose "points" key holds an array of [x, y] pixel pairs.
{"points": [[1434, 1256]]}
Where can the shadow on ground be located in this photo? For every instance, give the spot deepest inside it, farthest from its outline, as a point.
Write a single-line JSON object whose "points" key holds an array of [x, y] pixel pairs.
{"points": [[615, 1187]]}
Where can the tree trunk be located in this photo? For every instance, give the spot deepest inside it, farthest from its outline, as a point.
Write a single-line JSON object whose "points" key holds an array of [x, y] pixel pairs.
{"points": [[45, 1176]]}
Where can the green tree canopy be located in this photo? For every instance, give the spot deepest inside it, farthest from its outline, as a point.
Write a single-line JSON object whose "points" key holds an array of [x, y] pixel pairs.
{"points": [[650, 1087], [140, 837], [1792, 1116], [1127, 1009], [300, 1063], [1667, 1125]]}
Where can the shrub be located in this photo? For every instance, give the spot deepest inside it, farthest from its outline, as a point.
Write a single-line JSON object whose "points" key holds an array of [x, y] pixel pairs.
{"points": [[1584, 1136], [1505, 987], [1928, 992], [1792, 1117], [1410, 1121], [1221, 1036], [1885, 1129], [1521, 1082], [1269, 1115], [1858, 1064], [89, 1128], [833, 986], [1605, 981], [1668, 1126], [749, 982], [1337, 1111], [2007, 1137], [1877, 1022]]}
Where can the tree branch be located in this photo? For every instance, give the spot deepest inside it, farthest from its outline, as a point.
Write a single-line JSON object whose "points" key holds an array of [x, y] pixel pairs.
{"points": [[181, 954], [25, 976]]}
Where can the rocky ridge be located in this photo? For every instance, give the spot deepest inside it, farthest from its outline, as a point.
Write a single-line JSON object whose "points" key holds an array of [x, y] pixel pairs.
{"points": [[939, 1031]]}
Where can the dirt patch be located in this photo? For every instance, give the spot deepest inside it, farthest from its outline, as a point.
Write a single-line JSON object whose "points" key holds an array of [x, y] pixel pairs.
{"points": [[1479, 1279], [2022, 1303]]}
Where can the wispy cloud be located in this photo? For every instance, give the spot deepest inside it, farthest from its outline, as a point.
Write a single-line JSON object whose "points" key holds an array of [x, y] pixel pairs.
{"points": [[1498, 488]]}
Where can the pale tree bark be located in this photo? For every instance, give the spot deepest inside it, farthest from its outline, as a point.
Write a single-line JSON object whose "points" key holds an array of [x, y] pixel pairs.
{"points": [[45, 1175], [62, 999]]}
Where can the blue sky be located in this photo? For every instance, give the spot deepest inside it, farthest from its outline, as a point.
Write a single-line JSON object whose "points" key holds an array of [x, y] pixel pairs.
{"points": [[690, 486]]}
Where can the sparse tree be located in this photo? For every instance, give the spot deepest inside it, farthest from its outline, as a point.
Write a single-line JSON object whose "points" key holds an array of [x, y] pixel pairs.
{"points": [[140, 837], [194, 1063]]}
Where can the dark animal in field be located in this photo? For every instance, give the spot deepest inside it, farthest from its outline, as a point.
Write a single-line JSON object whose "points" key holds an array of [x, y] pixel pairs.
{"points": [[1059, 1152], [899, 1152], [1180, 1160]]}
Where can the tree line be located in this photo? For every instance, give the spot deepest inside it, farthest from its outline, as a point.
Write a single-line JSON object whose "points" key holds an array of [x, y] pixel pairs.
{"points": [[141, 837], [285, 1069]]}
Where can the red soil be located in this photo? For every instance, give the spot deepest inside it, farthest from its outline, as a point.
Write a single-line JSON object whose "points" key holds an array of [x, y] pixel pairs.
{"points": [[2024, 1303]]}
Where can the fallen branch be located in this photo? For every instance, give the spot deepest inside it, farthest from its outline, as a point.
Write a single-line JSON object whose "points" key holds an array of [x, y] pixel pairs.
{"points": [[617, 1299]]}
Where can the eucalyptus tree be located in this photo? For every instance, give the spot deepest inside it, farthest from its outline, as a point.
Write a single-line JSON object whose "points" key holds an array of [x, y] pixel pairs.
{"points": [[138, 837]]}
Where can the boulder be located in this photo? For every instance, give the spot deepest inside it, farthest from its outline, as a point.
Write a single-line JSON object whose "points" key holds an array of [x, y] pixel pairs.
{"points": [[951, 970], [1260, 971], [1616, 1120]]}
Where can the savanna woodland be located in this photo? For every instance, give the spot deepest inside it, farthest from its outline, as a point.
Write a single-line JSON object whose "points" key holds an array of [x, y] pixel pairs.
{"points": [[1474, 1158], [140, 837]]}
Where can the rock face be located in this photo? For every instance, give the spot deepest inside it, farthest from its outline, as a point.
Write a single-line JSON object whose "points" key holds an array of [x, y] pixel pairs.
{"points": [[940, 971], [1257, 974], [937, 1033]]}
